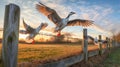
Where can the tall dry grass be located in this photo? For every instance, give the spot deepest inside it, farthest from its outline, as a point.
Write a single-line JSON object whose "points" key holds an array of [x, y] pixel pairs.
{"points": [[48, 52]]}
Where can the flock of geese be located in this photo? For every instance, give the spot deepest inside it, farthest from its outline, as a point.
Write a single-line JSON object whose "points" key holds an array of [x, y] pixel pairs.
{"points": [[52, 15]]}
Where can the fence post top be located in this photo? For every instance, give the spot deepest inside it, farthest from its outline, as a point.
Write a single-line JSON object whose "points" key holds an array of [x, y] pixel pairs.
{"points": [[85, 28], [12, 4]]}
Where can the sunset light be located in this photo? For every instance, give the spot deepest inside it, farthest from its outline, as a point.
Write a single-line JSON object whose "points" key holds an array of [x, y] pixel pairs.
{"points": [[59, 33]]}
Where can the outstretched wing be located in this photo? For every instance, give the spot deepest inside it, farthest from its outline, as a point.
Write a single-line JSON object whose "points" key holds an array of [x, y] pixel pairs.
{"points": [[80, 22], [28, 28], [23, 31], [42, 26], [90, 38], [50, 13]]}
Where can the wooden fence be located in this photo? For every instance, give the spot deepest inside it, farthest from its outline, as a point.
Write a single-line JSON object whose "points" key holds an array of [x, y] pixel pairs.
{"points": [[10, 43], [77, 58]]}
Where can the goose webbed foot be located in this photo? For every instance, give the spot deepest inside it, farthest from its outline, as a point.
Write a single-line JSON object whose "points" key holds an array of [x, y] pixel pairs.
{"points": [[33, 41], [59, 33]]}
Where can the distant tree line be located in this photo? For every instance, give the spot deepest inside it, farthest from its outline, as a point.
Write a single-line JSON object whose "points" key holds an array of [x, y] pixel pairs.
{"points": [[117, 37]]}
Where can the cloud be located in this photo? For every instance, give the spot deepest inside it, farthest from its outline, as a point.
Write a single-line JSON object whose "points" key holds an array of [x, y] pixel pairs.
{"points": [[114, 28], [107, 11], [96, 13], [57, 6], [99, 15], [85, 16], [111, 26], [83, 10], [1, 23], [119, 11]]}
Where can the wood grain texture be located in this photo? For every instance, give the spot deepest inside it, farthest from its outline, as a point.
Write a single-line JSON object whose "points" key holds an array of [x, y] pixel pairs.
{"points": [[100, 44], [10, 35], [85, 44]]}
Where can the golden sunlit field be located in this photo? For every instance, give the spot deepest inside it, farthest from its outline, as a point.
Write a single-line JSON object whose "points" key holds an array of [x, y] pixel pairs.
{"points": [[48, 52]]}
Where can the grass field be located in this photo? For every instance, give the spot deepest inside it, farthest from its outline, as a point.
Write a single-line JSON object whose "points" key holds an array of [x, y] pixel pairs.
{"points": [[113, 59], [48, 52]]}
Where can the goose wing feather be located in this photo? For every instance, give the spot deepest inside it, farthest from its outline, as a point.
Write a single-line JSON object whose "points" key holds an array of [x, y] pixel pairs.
{"points": [[28, 28], [42, 26], [50, 13], [80, 22]]}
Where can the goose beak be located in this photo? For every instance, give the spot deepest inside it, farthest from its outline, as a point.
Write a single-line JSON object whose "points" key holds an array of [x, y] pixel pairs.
{"points": [[73, 12]]}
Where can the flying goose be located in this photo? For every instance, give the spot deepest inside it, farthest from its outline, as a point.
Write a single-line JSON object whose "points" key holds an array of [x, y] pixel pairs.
{"points": [[95, 40], [32, 31], [61, 22]]}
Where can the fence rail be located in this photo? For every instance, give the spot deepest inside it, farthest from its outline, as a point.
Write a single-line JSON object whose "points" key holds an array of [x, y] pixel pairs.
{"points": [[74, 59], [67, 61], [10, 44]]}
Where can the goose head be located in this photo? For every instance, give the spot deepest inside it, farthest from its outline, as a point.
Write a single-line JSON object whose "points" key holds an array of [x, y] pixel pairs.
{"points": [[71, 13]]}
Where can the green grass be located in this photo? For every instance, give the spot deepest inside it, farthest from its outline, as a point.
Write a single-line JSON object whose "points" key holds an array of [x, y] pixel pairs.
{"points": [[113, 59]]}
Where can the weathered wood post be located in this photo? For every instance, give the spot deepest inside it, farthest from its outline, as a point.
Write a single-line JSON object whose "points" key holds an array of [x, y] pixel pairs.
{"points": [[100, 44], [107, 43], [85, 44], [112, 43], [10, 36]]}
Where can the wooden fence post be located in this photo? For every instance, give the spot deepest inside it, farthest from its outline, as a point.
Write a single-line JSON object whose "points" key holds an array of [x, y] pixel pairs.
{"points": [[113, 45], [107, 42], [100, 44], [85, 44], [10, 36]]}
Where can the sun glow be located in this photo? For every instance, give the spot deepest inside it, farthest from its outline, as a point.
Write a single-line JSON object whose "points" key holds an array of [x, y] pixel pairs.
{"points": [[22, 36]]}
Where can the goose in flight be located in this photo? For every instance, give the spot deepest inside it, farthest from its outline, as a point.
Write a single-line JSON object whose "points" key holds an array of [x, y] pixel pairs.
{"points": [[95, 40], [61, 22], [32, 31]]}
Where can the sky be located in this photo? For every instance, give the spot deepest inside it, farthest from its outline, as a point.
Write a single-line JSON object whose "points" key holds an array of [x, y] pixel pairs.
{"points": [[104, 13]]}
